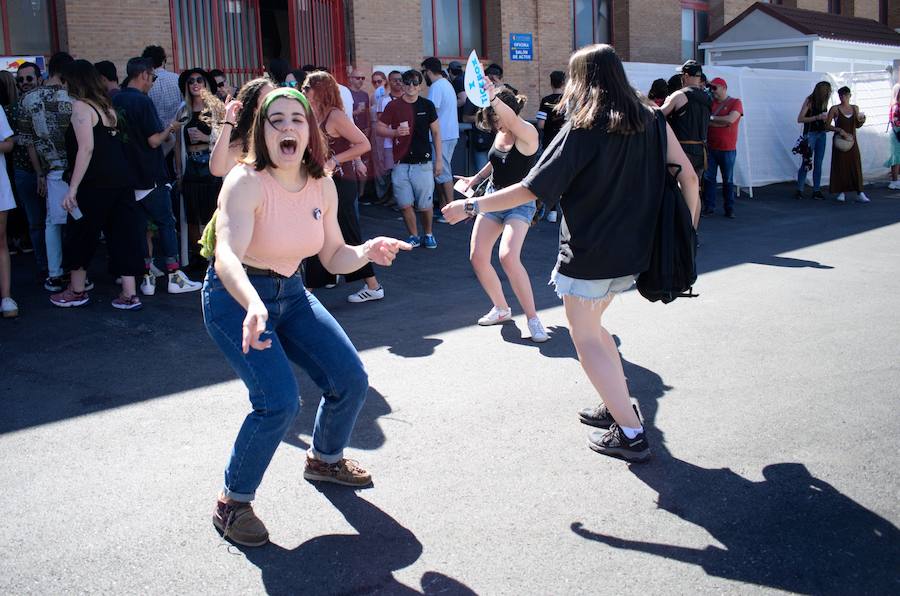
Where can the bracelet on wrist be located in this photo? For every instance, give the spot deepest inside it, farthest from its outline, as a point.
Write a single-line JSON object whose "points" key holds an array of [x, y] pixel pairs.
{"points": [[231, 123]]}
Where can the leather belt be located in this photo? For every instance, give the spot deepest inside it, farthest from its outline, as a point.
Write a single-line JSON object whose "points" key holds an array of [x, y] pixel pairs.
{"points": [[267, 272]]}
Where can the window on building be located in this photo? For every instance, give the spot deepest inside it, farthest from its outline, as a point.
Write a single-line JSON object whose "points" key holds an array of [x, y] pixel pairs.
{"points": [[694, 28], [213, 34], [591, 22], [834, 6], [28, 27], [883, 11], [452, 28]]}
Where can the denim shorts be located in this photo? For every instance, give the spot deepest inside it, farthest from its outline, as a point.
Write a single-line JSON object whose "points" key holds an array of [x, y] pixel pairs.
{"points": [[447, 148], [413, 185], [594, 290], [524, 212]]}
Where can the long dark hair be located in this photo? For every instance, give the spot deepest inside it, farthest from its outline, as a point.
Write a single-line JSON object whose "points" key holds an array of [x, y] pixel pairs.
{"points": [[249, 98], [484, 119], [9, 94], [659, 89], [598, 92], [313, 158], [83, 82], [819, 98]]}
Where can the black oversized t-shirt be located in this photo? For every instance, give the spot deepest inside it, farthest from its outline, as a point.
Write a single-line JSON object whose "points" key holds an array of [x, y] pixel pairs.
{"points": [[609, 187], [416, 146], [148, 165]]}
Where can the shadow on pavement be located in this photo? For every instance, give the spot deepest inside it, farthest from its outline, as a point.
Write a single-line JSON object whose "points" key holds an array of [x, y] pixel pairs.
{"points": [[62, 363], [791, 531], [361, 563]]}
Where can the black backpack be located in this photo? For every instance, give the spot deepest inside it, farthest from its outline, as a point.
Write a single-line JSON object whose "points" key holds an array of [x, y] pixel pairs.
{"points": [[673, 262]]}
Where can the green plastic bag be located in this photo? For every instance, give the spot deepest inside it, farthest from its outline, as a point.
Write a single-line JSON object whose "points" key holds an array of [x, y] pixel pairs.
{"points": [[207, 240]]}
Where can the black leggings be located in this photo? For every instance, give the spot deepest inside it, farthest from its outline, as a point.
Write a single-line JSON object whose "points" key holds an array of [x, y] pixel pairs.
{"points": [[315, 275], [114, 212]]}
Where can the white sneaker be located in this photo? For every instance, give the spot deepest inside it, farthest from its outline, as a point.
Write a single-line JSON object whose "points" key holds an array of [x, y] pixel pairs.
{"points": [[495, 316], [538, 335], [365, 294], [180, 284], [894, 185], [156, 271], [551, 217], [148, 285], [9, 308], [862, 198], [840, 198]]}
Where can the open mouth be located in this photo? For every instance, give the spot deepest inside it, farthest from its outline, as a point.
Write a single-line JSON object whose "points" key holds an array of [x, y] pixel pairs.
{"points": [[288, 146]]}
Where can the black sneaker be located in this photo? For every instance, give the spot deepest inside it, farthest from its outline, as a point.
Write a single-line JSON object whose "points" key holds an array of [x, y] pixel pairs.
{"points": [[818, 195], [730, 214], [614, 443], [599, 416], [798, 195], [54, 284], [706, 211]]}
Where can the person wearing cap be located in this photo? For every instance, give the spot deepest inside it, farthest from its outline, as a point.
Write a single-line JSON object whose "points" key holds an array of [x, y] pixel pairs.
{"points": [[722, 143], [109, 76], [146, 134], [688, 112]]}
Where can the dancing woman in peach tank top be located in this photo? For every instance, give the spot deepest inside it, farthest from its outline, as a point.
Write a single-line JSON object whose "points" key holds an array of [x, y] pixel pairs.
{"points": [[274, 212]]}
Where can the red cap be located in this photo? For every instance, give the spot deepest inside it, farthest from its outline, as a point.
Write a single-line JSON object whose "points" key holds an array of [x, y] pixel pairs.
{"points": [[719, 82]]}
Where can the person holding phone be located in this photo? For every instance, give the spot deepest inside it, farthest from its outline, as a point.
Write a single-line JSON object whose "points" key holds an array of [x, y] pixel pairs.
{"points": [[510, 158], [609, 222]]}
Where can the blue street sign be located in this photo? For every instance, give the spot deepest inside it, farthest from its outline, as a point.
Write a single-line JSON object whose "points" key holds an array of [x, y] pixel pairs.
{"points": [[521, 46]]}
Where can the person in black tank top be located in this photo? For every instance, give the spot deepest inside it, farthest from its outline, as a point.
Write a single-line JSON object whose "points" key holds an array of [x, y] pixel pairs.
{"points": [[813, 116], [100, 196], [346, 144], [510, 158]]}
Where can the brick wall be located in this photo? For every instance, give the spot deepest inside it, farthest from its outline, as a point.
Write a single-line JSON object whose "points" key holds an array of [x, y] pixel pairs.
{"points": [[382, 37], [866, 9], [654, 32], [894, 14], [820, 5], [102, 30]]}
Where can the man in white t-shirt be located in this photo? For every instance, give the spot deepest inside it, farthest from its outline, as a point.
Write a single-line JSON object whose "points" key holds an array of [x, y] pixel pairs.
{"points": [[443, 97]]}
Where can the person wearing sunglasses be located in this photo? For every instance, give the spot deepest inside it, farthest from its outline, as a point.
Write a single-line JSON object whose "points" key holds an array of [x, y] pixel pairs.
{"points": [[276, 210], [28, 77], [223, 89], [417, 163], [43, 120], [146, 134], [200, 114], [722, 136]]}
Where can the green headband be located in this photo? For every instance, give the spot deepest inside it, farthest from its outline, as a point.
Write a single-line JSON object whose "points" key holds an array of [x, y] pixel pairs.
{"points": [[287, 92]]}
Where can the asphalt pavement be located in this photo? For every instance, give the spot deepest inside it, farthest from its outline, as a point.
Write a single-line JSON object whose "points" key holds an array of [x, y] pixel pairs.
{"points": [[771, 402]]}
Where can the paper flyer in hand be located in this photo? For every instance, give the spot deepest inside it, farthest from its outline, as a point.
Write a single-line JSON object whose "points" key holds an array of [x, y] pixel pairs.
{"points": [[474, 82]]}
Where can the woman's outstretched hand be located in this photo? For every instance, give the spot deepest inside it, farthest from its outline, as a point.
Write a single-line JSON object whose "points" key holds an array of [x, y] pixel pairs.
{"points": [[383, 250]]}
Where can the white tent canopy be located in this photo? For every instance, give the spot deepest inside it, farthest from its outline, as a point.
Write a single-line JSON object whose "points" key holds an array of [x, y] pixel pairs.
{"points": [[769, 128]]}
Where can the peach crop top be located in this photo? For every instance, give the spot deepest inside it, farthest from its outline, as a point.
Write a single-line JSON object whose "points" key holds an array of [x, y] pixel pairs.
{"points": [[288, 226]]}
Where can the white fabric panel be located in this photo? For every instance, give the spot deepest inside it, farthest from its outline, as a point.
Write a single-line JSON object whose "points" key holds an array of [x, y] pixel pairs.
{"points": [[769, 128]]}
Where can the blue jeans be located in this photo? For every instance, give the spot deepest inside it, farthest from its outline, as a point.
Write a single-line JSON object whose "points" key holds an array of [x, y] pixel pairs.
{"points": [[36, 213], [817, 142], [717, 160], [157, 207], [303, 332]]}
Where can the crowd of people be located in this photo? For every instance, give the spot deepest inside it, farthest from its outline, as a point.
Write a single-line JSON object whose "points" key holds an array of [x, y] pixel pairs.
{"points": [[264, 181]]}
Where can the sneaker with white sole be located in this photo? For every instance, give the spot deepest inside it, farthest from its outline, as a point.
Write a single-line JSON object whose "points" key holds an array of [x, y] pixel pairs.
{"points": [[894, 185], [179, 283], [538, 334], [429, 241], [862, 198], [124, 302], [414, 241], [69, 298], [496, 316], [840, 198], [148, 285], [366, 294], [9, 308]]}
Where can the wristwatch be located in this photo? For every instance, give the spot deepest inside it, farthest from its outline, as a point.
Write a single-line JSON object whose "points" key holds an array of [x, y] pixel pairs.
{"points": [[471, 207]]}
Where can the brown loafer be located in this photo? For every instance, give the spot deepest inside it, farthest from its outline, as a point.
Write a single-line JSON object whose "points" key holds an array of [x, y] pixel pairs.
{"points": [[237, 522], [347, 472]]}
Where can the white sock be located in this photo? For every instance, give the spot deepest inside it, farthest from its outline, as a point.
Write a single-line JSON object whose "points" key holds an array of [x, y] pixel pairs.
{"points": [[632, 432]]}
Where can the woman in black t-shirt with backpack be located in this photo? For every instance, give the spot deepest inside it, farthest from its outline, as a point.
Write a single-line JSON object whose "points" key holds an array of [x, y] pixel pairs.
{"points": [[605, 169]]}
